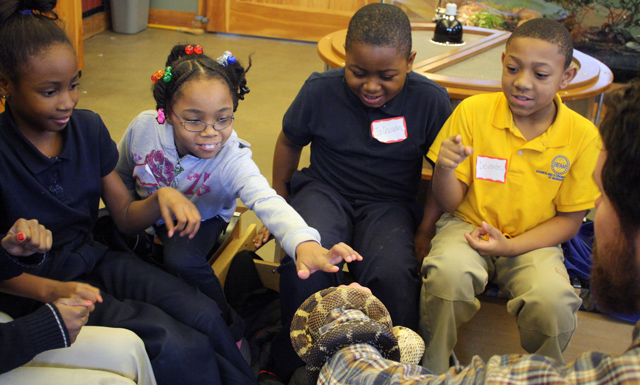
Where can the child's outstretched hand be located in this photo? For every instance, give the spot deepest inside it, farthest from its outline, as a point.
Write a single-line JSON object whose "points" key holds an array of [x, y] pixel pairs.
{"points": [[452, 153], [312, 257], [173, 204], [489, 241], [27, 237]]}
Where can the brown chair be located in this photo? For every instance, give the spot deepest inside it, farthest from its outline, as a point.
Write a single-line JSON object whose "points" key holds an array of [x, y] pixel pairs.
{"points": [[238, 240]]}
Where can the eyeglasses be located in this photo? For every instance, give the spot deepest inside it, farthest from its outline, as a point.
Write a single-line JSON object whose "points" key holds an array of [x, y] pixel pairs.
{"points": [[198, 126]]}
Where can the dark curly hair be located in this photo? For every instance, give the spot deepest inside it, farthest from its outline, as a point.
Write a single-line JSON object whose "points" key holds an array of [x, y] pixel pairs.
{"points": [[27, 27], [380, 25], [548, 30], [620, 131], [186, 67]]}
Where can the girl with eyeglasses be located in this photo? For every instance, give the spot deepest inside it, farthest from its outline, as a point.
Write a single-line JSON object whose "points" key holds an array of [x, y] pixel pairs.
{"points": [[188, 143]]}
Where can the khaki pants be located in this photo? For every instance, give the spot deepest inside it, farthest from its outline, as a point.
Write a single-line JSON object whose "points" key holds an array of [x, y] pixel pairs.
{"points": [[98, 356], [537, 284]]}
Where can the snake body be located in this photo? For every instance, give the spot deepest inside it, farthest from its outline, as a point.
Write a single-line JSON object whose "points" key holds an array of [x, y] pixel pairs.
{"points": [[315, 347]]}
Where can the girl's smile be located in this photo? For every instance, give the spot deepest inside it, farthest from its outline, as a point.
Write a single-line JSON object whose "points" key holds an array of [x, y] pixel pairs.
{"points": [[209, 147], [205, 101]]}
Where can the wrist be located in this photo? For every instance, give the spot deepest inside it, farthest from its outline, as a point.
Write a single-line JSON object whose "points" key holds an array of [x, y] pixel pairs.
{"points": [[441, 168], [160, 191], [62, 326], [512, 248], [51, 291], [304, 246]]}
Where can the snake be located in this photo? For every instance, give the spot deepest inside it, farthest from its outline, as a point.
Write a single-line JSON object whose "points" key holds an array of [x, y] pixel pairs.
{"points": [[315, 346]]}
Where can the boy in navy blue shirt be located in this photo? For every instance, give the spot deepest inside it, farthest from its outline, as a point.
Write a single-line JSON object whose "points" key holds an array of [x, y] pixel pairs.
{"points": [[369, 125]]}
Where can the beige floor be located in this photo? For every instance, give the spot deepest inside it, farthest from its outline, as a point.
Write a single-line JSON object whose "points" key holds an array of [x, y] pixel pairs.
{"points": [[116, 83]]}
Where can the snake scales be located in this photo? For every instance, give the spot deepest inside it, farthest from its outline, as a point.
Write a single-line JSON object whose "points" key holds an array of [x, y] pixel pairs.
{"points": [[315, 344]]}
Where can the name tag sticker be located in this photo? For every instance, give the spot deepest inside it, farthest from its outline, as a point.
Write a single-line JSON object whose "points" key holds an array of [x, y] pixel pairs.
{"points": [[389, 130], [143, 173], [493, 169]]}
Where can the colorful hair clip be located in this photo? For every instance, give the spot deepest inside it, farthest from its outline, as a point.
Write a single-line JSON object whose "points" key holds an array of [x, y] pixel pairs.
{"points": [[167, 75], [161, 118], [193, 49], [164, 75], [226, 59], [157, 75], [26, 12]]}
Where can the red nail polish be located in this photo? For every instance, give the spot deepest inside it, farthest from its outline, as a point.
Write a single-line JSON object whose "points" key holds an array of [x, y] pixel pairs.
{"points": [[21, 237]]}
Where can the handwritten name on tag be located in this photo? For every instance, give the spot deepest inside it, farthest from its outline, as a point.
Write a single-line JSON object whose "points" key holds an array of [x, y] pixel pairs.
{"points": [[493, 169], [389, 130]]}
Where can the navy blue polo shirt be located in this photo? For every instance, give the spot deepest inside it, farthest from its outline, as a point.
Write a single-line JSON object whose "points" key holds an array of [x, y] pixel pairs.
{"points": [[345, 155], [62, 192]]}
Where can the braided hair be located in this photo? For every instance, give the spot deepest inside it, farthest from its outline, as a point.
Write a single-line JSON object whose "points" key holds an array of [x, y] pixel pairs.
{"points": [[27, 27], [185, 67]]}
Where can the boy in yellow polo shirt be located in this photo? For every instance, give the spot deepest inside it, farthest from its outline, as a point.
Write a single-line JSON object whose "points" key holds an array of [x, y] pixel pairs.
{"points": [[513, 173]]}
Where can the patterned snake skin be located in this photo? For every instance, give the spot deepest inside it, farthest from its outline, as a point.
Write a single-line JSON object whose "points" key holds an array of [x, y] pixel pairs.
{"points": [[316, 345]]}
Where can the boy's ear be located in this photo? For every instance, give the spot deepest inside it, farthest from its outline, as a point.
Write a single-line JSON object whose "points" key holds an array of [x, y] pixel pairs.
{"points": [[410, 60], [568, 75]]}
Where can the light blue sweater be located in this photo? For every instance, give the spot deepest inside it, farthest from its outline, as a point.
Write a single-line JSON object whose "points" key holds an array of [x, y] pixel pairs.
{"points": [[149, 160]]}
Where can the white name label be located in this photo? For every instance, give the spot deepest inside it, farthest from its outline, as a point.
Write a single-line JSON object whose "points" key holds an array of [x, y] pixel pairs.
{"points": [[143, 173], [493, 169], [389, 130]]}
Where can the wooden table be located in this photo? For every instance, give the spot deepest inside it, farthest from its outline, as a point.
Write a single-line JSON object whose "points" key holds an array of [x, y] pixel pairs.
{"points": [[475, 67]]}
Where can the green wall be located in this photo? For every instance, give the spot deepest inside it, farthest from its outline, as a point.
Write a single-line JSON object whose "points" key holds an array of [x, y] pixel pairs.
{"points": [[172, 5]]}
